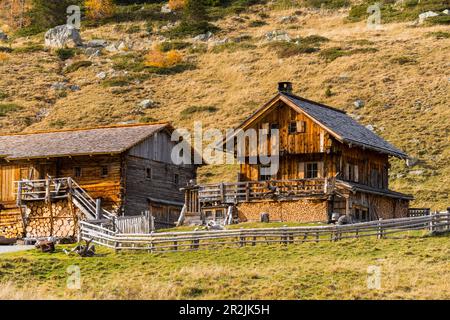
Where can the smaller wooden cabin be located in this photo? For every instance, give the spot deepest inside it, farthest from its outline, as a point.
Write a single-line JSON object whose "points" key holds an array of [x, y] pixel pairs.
{"points": [[329, 165], [128, 168]]}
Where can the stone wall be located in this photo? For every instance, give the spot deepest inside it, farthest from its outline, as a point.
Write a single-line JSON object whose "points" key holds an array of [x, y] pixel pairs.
{"points": [[293, 211]]}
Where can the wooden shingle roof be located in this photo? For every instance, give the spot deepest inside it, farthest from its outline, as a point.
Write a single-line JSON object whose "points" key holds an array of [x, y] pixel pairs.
{"points": [[92, 141], [344, 127]]}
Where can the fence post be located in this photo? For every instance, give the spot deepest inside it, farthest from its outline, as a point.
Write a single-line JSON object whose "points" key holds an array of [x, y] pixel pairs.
{"points": [[98, 209], [317, 236], [448, 219], [195, 241], [432, 222], [152, 223], [241, 238], [380, 229]]}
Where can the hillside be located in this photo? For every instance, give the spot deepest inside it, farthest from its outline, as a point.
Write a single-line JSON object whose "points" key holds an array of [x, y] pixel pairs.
{"points": [[400, 72]]}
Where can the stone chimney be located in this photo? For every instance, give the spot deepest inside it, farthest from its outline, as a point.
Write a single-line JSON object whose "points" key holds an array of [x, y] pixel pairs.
{"points": [[285, 87]]}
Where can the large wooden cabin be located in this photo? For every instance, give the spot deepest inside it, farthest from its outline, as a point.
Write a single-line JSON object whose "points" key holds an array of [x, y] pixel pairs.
{"points": [[328, 163], [128, 168]]}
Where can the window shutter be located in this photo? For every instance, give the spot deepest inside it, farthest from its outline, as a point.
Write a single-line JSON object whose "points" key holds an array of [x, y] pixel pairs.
{"points": [[301, 126], [356, 174], [301, 170]]}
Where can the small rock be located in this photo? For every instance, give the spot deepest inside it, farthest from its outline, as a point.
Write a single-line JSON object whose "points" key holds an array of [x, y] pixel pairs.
{"points": [[426, 15], [288, 19], [399, 175], [446, 11], [74, 87], [101, 75], [147, 103], [166, 9], [416, 172], [62, 36], [123, 46], [93, 52], [411, 162], [58, 86], [242, 37], [358, 103], [3, 36], [97, 43], [277, 35], [220, 41], [203, 37], [370, 127]]}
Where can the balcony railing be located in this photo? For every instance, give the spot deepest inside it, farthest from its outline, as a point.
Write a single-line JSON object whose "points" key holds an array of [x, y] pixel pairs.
{"points": [[230, 193]]}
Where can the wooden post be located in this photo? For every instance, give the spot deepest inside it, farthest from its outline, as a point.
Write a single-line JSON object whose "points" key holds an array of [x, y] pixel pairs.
{"points": [[380, 229], [431, 227], [47, 189], [222, 192], [284, 235], [254, 241], [317, 236], [241, 238], [247, 192], [19, 194], [98, 209]]}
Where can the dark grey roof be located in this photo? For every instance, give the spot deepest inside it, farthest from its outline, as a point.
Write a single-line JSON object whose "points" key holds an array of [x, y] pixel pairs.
{"points": [[353, 186], [116, 139], [349, 130]]}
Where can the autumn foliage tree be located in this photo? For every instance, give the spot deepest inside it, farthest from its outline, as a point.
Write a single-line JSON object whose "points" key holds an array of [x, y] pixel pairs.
{"points": [[177, 4], [159, 59], [14, 13], [99, 9]]}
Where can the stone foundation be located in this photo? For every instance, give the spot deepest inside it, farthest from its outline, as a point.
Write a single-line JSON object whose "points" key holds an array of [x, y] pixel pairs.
{"points": [[292, 211]]}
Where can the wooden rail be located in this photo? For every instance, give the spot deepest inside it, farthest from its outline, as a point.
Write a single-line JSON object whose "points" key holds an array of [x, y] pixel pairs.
{"points": [[229, 193], [418, 212], [195, 240]]}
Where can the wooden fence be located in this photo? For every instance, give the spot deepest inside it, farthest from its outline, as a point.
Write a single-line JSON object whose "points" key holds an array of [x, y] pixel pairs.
{"points": [[135, 224], [418, 212], [195, 240]]}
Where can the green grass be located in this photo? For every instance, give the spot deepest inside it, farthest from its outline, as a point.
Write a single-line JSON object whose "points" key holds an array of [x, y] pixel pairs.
{"points": [[411, 268], [29, 48], [409, 12], [285, 49], [6, 108], [439, 35], [77, 65], [331, 54], [66, 53], [190, 111], [3, 95], [130, 62], [233, 47]]}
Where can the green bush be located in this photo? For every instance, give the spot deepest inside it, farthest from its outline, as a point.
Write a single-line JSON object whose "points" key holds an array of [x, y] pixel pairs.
{"points": [[189, 111], [6, 108], [29, 48], [442, 19], [3, 95], [285, 49], [130, 62], [6, 49], [133, 29], [173, 45], [77, 65], [65, 53], [313, 40], [257, 23], [233, 46], [332, 54], [329, 4]]}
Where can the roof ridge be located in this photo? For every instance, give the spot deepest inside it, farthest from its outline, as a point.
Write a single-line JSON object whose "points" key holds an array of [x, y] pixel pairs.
{"points": [[85, 129], [312, 102]]}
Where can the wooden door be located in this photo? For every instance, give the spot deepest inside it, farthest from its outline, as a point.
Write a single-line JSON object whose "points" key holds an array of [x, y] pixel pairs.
{"points": [[8, 174]]}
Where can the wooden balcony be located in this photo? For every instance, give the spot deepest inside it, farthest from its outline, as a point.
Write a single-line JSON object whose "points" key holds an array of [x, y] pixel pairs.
{"points": [[232, 193]]}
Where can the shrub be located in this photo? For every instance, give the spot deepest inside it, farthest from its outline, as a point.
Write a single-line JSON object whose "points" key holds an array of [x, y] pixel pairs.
{"points": [[329, 4], [257, 23], [159, 59], [332, 54], [177, 4], [442, 19], [3, 95], [129, 61], [439, 34], [233, 46], [288, 49], [186, 113], [6, 49], [403, 60], [77, 65], [3, 57], [133, 29], [29, 48], [57, 124], [173, 45], [6, 108], [313, 40], [117, 82], [99, 9], [65, 53]]}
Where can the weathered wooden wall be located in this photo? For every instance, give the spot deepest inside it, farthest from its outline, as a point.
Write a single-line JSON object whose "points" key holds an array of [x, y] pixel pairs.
{"points": [[150, 175]]}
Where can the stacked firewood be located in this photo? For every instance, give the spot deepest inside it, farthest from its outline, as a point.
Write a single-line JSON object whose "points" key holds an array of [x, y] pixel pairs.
{"points": [[53, 219], [11, 225]]}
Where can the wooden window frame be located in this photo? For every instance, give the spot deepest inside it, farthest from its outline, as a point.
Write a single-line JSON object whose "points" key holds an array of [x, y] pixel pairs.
{"points": [[102, 171], [176, 179], [292, 127], [77, 172], [308, 171], [301, 126], [148, 173], [267, 177]]}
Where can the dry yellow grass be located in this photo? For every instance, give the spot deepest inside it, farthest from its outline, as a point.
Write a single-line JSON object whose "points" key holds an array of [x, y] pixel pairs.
{"points": [[408, 104]]}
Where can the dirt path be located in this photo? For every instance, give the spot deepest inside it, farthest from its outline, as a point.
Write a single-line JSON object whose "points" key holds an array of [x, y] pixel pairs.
{"points": [[15, 248]]}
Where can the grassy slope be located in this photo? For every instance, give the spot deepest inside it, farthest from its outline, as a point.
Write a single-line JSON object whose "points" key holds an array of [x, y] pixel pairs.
{"points": [[411, 268], [408, 103]]}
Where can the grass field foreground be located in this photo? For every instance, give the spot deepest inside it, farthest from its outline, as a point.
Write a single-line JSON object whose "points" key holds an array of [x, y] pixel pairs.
{"points": [[410, 268]]}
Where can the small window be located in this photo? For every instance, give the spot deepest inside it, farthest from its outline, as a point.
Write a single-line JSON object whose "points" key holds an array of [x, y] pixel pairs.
{"points": [[312, 170], [77, 172], [292, 127], [176, 178], [104, 171], [301, 126], [208, 214], [148, 173], [219, 214]]}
